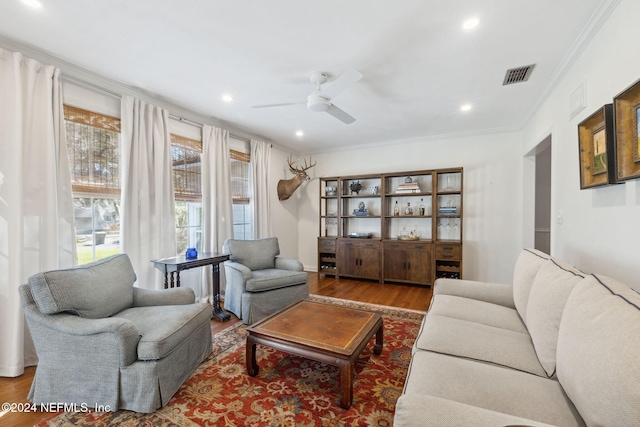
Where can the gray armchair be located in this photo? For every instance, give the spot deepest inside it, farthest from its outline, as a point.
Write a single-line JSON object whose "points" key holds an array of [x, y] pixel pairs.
{"points": [[102, 341], [259, 283]]}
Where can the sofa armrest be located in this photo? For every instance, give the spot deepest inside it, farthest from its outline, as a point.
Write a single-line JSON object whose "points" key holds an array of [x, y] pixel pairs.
{"points": [[174, 296], [288, 264], [58, 331], [495, 293], [416, 410]]}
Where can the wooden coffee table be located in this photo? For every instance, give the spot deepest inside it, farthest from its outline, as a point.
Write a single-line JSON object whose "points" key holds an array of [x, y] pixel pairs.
{"points": [[318, 331]]}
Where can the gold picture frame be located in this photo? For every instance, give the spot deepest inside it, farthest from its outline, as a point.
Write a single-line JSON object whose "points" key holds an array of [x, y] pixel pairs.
{"points": [[627, 113], [596, 149]]}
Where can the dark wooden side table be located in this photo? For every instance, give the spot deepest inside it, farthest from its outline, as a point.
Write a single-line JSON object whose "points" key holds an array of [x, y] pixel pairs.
{"points": [[172, 266]]}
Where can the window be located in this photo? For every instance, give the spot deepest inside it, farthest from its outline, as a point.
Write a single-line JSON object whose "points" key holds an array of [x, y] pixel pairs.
{"points": [[93, 144], [241, 193], [186, 155]]}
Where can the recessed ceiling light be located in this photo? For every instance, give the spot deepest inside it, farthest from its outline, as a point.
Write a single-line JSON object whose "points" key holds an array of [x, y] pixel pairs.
{"points": [[470, 23], [465, 107], [36, 4], [299, 133], [227, 98]]}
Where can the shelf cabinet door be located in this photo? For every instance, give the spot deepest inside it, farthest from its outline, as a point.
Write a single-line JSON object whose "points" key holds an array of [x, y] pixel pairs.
{"points": [[394, 262], [419, 264], [407, 262], [348, 258], [359, 259]]}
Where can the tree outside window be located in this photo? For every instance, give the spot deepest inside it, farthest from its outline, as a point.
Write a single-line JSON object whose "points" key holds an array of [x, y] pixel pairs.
{"points": [[187, 173], [93, 145], [241, 194]]}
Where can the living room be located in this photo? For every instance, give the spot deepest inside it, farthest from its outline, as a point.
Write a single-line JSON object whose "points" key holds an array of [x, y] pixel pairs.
{"points": [[593, 229]]}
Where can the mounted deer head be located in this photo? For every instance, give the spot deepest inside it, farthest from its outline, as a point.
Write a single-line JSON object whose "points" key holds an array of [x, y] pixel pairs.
{"points": [[286, 187]]}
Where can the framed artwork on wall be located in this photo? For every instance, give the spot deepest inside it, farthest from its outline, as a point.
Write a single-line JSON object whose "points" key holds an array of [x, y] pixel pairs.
{"points": [[596, 149], [627, 112]]}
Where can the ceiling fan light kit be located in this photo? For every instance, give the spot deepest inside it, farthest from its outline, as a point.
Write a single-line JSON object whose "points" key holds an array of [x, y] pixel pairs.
{"points": [[317, 103], [320, 99]]}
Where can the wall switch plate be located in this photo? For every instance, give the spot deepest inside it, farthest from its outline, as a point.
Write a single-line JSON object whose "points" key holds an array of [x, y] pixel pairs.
{"points": [[559, 217]]}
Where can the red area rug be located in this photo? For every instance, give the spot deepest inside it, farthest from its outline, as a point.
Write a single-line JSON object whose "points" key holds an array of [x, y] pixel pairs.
{"points": [[288, 391]]}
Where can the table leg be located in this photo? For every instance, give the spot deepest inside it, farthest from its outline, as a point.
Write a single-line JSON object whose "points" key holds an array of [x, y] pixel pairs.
{"points": [[346, 381], [252, 365], [172, 279], [166, 278], [377, 348], [218, 313]]}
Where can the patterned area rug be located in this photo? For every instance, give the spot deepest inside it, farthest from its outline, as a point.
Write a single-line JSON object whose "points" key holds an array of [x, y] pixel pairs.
{"points": [[288, 391]]}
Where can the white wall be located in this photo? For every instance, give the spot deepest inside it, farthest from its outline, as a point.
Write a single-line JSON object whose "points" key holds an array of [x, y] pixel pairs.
{"points": [[284, 213], [600, 232], [492, 193]]}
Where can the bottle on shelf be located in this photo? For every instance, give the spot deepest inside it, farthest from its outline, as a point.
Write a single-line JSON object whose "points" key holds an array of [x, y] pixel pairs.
{"points": [[396, 209], [422, 209], [409, 209]]}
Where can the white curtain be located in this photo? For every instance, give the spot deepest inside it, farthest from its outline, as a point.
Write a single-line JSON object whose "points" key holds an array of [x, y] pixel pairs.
{"points": [[217, 221], [37, 230], [148, 229], [260, 157]]}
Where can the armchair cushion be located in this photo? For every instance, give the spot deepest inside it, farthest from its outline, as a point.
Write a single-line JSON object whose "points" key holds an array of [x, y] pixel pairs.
{"points": [[255, 254], [162, 328], [83, 291], [270, 278]]}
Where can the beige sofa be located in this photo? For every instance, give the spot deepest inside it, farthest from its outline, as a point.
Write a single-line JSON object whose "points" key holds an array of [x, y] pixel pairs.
{"points": [[557, 347]]}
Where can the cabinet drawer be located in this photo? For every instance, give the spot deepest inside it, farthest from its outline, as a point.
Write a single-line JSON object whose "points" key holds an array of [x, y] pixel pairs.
{"points": [[453, 252], [360, 243], [407, 246], [327, 246]]}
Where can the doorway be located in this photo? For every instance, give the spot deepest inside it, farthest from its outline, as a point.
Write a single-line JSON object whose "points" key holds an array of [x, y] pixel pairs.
{"points": [[542, 221]]}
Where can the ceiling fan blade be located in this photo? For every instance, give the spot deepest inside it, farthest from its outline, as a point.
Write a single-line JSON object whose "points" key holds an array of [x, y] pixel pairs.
{"points": [[340, 115], [345, 80], [277, 105]]}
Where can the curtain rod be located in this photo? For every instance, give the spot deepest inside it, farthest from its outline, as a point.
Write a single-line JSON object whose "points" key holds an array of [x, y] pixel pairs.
{"points": [[73, 79], [119, 96], [197, 124]]}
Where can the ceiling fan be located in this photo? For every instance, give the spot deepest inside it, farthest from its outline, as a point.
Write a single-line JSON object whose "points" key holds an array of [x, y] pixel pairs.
{"points": [[320, 99]]}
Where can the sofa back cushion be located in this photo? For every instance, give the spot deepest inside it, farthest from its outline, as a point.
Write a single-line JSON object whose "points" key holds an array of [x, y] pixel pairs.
{"points": [[598, 348], [95, 290], [255, 254], [524, 271], [551, 288]]}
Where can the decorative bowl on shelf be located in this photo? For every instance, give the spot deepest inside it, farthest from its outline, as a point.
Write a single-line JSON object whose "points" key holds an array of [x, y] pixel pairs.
{"points": [[409, 237], [331, 191]]}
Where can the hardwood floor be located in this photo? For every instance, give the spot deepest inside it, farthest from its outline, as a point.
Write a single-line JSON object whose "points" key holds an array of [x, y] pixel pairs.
{"points": [[15, 390]]}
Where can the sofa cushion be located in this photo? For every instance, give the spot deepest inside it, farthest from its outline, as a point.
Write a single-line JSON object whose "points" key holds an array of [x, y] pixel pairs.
{"points": [[551, 288], [477, 311], [163, 328], [598, 348], [413, 410], [255, 254], [480, 342], [527, 265], [490, 387], [95, 290], [271, 278], [494, 293]]}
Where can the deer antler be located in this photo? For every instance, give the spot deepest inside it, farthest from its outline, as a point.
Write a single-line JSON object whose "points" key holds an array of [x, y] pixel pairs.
{"points": [[300, 169]]}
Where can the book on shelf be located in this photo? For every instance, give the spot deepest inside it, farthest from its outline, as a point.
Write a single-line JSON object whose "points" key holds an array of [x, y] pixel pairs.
{"points": [[411, 187]]}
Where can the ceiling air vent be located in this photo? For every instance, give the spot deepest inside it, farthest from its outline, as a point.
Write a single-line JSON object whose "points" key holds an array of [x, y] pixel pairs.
{"points": [[518, 75]]}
